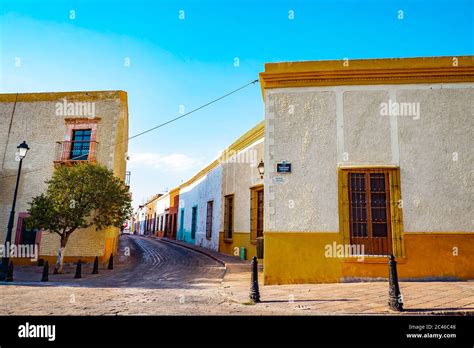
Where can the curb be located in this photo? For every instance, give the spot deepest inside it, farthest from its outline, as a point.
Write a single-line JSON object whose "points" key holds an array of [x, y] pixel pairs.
{"points": [[227, 267], [223, 263]]}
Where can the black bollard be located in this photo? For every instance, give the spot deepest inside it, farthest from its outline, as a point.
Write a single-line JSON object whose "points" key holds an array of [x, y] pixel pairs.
{"points": [[9, 277], [78, 270], [254, 292], [111, 262], [95, 270], [395, 300], [45, 276]]}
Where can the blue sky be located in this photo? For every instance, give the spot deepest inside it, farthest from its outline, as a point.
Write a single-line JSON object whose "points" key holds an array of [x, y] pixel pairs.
{"points": [[190, 61]]}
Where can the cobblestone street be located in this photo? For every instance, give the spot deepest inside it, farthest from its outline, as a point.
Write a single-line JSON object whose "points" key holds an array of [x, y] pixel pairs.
{"points": [[157, 279], [164, 278]]}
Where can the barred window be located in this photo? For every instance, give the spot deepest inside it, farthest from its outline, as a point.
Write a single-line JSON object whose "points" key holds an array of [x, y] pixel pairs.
{"points": [[369, 208]]}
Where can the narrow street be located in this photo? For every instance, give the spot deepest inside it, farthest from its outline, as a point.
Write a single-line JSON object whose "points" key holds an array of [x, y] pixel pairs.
{"points": [[159, 265], [159, 278], [156, 277]]}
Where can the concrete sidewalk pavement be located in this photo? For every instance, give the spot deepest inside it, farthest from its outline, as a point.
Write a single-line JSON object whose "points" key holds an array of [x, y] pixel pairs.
{"points": [[421, 298], [454, 298]]}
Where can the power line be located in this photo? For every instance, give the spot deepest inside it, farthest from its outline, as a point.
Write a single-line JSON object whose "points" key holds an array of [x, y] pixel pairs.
{"points": [[194, 110], [165, 123]]}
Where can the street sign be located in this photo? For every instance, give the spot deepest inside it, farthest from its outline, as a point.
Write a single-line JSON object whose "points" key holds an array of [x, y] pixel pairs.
{"points": [[284, 168]]}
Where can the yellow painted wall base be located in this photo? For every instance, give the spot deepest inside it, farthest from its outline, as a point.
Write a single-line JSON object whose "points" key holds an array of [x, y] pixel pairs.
{"points": [[111, 242], [109, 247], [299, 257], [239, 239], [428, 255]]}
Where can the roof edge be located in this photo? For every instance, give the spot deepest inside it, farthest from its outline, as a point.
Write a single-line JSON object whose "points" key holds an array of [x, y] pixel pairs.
{"points": [[443, 69], [71, 96]]}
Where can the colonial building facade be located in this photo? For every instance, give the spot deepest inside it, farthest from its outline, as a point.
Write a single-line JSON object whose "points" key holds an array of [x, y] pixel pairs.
{"points": [[150, 208], [366, 158], [242, 193], [162, 222], [200, 207], [61, 129], [221, 207], [159, 215]]}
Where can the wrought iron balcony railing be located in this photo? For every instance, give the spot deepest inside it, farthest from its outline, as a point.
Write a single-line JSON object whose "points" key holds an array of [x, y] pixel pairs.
{"points": [[76, 151]]}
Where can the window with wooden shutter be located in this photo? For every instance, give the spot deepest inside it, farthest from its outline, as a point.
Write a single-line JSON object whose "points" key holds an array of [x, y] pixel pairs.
{"points": [[193, 222], [369, 211], [210, 205], [256, 213], [228, 216]]}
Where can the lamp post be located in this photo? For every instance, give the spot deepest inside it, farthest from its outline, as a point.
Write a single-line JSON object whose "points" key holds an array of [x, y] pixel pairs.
{"points": [[22, 150], [261, 169]]}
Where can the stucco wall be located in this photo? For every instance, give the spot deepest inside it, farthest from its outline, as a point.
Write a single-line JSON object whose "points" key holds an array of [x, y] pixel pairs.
{"points": [[301, 129], [319, 128], [207, 188], [240, 173], [162, 204], [35, 121], [437, 160]]}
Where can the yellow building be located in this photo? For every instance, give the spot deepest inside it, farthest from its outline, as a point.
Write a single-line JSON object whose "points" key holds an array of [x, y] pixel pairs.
{"points": [[61, 129], [150, 214], [366, 158]]}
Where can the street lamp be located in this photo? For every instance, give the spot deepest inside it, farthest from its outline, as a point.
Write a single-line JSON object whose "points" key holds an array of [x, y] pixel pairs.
{"points": [[261, 169], [22, 150]]}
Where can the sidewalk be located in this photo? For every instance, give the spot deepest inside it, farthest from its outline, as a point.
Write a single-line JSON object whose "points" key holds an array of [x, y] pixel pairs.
{"points": [[228, 261], [32, 274], [366, 298]]}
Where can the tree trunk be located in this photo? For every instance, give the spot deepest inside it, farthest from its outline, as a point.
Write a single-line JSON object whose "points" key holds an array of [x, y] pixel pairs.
{"points": [[58, 268]]}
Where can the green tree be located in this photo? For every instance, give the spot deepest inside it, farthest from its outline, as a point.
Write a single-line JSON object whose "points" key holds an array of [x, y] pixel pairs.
{"points": [[78, 197]]}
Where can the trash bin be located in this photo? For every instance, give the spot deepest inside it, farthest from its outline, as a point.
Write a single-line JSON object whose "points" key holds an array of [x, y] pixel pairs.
{"points": [[243, 253]]}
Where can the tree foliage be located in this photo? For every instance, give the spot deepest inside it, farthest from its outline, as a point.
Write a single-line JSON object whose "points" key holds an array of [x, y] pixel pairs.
{"points": [[80, 196]]}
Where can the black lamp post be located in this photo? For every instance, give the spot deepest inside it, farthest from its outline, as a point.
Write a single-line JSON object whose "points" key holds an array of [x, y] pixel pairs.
{"points": [[22, 150], [261, 169]]}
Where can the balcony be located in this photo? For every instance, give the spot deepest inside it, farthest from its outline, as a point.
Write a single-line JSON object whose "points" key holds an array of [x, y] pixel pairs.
{"points": [[70, 152]]}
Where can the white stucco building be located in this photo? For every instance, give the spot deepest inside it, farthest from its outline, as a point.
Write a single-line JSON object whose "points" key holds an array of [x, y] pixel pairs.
{"points": [[221, 207], [199, 208], [381, 157]]}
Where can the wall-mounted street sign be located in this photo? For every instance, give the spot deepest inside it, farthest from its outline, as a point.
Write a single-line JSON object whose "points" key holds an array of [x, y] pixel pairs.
{"points": [[284, 167]]}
